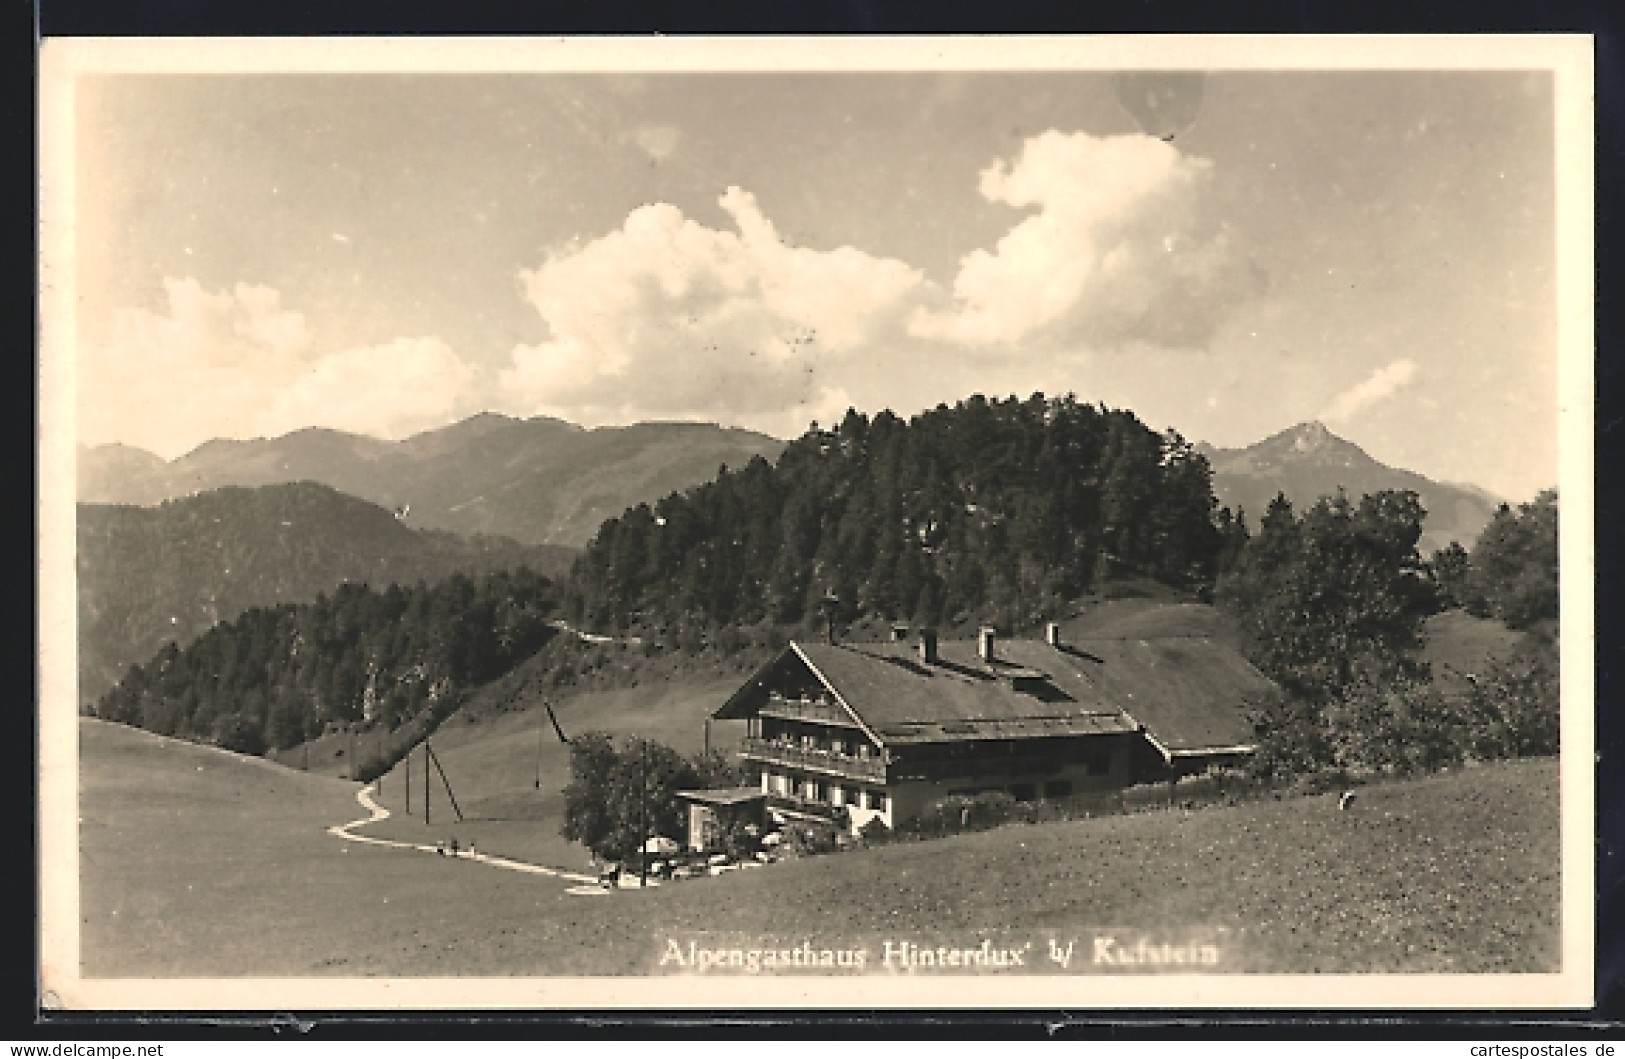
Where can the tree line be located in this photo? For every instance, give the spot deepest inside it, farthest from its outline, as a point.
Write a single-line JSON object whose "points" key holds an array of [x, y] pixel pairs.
{"points": [[151, 575], [1331, 605], [998, 509], [1511, 573], [1003, 510], [277, 676]]}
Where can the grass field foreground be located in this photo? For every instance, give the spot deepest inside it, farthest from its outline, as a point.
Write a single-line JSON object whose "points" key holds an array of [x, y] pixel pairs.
{"points": [[199, 863]]}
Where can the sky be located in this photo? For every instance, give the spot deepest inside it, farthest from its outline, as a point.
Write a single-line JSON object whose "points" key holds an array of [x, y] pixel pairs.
{"points": [[1226, 254]]}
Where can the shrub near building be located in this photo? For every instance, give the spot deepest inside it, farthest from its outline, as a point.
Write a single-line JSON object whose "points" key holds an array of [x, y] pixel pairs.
{"points": [[621, 795]]}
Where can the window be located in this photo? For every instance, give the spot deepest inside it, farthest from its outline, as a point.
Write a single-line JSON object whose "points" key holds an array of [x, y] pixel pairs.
{"points": [[837, 795], [837, 746], [863, 750], [1058, 789], [877, 800]]}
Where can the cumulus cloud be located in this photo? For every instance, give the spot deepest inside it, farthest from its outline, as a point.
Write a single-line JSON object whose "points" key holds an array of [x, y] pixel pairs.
{"points": [[236, 362], [1122, 249], [1380, 385], [390, 391], [666, 318]]}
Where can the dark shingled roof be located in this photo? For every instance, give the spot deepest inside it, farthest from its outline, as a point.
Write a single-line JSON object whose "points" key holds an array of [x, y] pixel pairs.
{"points": [[1190, 693]]}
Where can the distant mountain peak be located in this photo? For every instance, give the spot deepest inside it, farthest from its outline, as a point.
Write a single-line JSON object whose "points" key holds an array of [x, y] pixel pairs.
{"points": [[1311, 435], [1308, 461], [1310, 443], [1308, 435]]}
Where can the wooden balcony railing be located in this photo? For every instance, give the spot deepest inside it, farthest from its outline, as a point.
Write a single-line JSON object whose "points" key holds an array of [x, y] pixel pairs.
{"points": [[848, 766]]}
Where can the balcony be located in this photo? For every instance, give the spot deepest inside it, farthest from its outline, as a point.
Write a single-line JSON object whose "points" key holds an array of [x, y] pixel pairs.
{"points": [[813, 711], [846, 766]]}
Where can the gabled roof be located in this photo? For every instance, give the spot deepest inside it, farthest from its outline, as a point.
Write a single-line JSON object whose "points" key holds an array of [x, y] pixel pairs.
{"points": [[1190, 693]]}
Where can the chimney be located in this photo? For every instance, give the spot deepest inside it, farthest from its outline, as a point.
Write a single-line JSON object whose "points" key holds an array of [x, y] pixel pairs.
{"points": [[928, 646], [899, 633], [1052, 633], [831, 601], [984, 642]]}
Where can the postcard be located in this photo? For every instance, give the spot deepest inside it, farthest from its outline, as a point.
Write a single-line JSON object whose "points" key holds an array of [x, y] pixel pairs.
{"points": [[1032, 522]]}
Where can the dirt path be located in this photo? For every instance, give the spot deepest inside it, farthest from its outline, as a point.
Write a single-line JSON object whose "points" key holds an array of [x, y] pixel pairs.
{"points": [[377, 812]]}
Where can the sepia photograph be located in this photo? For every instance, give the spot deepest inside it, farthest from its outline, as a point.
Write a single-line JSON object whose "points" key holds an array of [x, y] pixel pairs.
{"points": [[799, 522]]}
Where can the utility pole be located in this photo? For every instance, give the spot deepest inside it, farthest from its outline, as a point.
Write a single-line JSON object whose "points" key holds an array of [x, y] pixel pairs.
{"points": [[408, 781]]}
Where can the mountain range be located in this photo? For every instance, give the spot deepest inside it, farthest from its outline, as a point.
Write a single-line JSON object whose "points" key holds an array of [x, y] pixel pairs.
{"points": [[149, 575], [230, 530], [537, 481], [547, 481], [1308, 461]]}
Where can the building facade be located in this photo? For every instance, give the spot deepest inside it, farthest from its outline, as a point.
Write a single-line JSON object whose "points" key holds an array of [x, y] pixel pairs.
{"points": [[885, 729], [712, 812]]}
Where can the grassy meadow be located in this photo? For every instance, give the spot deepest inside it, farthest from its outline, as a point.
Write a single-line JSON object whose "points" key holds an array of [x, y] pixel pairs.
{"points": [[201, 863], [493, 761]]}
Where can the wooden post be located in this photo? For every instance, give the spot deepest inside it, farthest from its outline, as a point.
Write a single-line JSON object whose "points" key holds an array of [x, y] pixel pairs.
{"points": [[449, 792]]}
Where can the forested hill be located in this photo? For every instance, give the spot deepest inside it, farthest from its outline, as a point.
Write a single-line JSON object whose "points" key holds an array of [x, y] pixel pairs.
{"points": [[996, 510], [151, 575], [276, 676]]}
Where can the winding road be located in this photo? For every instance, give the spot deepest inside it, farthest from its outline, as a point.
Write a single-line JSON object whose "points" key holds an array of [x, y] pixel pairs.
{"points": [[377, 812]]}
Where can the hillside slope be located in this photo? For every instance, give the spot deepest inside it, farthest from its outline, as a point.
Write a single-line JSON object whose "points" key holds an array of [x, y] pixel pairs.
{"points": [[1308, 461], [151, 575], [538, 481]]}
